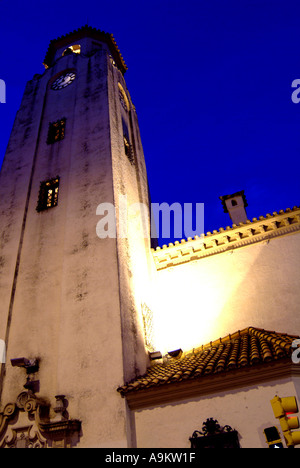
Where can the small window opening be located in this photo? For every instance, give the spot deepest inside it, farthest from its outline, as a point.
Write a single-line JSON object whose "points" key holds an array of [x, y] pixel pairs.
{"points": [[73, 49], [127, 145], [48, 195], [56, 131], [128, 148], [233, 203]]}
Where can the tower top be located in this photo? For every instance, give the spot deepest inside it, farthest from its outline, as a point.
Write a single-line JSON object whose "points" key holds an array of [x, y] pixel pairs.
{"points": [[83, 32]]}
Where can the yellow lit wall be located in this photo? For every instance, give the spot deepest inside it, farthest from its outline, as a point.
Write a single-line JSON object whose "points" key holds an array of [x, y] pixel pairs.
{"points": [[205, 299]]}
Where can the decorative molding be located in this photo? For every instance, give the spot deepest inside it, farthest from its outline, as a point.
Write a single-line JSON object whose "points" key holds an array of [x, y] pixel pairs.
{"points": [[263, 229], [27, 424]]}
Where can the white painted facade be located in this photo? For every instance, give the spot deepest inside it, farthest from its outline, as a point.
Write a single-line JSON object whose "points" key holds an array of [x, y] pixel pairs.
{"points": [[247, 410]]}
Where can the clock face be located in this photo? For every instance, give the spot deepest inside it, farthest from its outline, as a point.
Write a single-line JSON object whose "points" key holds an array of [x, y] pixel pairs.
{"points": [[63, 81]]}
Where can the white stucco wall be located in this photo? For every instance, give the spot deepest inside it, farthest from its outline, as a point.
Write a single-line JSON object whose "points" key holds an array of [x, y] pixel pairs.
{"points": [[205, 299], [246, 410]]}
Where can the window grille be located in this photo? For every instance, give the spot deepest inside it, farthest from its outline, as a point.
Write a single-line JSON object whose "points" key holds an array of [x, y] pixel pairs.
{"points": [[48, 195]]}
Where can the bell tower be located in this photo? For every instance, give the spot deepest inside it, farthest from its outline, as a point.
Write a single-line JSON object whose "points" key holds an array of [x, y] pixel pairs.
{"points": [[72, 296]]}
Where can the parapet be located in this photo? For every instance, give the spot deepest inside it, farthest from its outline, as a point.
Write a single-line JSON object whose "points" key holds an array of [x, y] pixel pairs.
{"points": [[232, 237]]}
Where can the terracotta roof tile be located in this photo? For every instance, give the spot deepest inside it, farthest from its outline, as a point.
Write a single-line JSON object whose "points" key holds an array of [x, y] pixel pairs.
{"points": [[249, 347]]}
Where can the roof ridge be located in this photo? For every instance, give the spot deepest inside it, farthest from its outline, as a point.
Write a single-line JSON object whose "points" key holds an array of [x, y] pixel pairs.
{"points": [[280, 341], [222, 340], [272, 332], [233, 336]]}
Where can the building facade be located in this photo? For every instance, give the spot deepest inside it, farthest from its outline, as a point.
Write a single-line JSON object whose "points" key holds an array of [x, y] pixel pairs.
{"points": [[88, 307]]}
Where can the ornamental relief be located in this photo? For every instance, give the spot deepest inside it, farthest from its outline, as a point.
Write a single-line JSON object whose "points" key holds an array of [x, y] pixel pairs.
{"points": [[24, 438], [27, 423]]}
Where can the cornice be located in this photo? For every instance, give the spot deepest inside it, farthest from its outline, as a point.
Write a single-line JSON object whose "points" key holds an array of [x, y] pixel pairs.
{"points": [[260, 229]]}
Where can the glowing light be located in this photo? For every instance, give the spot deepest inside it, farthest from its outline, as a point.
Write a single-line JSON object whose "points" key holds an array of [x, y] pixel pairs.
{"points": [[76, 49], [202, 300]]}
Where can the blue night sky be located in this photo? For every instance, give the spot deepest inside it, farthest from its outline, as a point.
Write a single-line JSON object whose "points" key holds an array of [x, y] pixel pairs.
{"points": [[211, 81]]}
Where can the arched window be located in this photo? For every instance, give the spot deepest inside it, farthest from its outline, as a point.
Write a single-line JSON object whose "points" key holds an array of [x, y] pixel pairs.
{"points": [[73, 49], [123, 98]]}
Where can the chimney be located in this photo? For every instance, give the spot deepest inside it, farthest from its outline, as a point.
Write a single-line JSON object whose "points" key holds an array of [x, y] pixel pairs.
{"points": [[235, 205]]}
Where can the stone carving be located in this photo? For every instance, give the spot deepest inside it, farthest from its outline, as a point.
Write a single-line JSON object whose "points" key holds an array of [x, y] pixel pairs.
{"points": [[27, 423]]}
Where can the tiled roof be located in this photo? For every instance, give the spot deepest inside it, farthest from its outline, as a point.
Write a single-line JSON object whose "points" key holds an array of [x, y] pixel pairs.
{"points": [[246, 348]]}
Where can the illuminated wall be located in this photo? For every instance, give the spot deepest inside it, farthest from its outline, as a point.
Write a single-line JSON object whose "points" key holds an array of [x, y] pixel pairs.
{"points": [[247, 410], [202, 300]]}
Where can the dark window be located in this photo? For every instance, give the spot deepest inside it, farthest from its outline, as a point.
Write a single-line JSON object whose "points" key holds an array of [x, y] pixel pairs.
{"points": [[123, 98], [48, 195], [233, 203], [127, 145], [128, 149], [56, 131]]}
